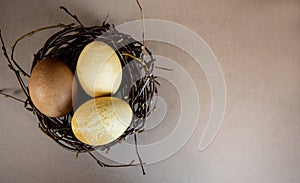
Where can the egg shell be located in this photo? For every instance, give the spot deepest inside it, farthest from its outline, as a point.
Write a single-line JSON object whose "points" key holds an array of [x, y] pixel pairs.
{"points": [[99, 69], [50, 87], [101, 120]]}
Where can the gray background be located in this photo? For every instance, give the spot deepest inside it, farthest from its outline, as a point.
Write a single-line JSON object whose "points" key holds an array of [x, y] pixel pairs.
{"points": [[257, 43]]}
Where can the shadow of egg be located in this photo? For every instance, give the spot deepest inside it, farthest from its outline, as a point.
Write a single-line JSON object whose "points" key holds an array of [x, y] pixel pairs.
{"points": [[79, 96]]}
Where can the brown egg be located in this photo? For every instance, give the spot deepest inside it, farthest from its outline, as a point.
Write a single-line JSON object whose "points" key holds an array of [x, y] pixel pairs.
{"points": [[50, 87]]}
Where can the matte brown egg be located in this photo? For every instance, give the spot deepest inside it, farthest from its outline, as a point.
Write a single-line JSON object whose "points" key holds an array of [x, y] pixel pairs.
{"points": [[50, 87]]}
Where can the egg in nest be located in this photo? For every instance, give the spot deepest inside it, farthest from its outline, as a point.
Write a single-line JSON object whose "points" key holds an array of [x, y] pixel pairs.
{"points": [[50, 87], [101, 120], [99, 69]]}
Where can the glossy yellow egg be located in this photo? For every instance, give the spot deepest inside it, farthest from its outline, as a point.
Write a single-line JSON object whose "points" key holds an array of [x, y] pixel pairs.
{"points": [[50, 87], [101, 120], [99, 69]]}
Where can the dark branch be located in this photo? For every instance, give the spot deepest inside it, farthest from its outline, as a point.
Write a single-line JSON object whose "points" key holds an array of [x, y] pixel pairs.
{"points": [[137, 152], [10, 96], [72, 15]]}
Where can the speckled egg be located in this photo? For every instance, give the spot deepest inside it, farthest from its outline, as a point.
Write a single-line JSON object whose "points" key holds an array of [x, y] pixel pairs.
{"points": [[101, 120]]}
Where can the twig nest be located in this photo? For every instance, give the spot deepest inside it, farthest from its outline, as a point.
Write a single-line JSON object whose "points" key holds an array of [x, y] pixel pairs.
{"points": [[99, 69], [50, 87], [101, 120], [137, 89]]}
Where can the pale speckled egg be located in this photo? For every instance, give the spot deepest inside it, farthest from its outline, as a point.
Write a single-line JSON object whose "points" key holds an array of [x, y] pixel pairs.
{"points": [[101, 120], [50, 87], [99, 69]]}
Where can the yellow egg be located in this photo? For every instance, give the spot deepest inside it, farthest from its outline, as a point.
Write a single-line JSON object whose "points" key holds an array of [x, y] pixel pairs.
{"points": [[50, 87], [99, 69], [101, 120]]}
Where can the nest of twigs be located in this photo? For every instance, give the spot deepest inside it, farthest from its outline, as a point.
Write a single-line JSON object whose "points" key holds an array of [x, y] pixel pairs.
{"points": [[137, 88]]}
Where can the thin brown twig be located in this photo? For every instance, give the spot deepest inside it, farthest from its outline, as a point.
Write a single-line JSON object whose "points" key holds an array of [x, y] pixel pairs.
{"points": [[29, 34], [105, 19], [72, 15], [17, 72], [5, 52], [138, 154], [163, 68], [100, 163], [10, 96], [135, 58], [143, 23]]}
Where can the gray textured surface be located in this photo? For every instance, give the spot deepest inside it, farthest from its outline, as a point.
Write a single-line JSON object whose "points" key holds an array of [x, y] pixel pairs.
{"points": [[257, 43]]}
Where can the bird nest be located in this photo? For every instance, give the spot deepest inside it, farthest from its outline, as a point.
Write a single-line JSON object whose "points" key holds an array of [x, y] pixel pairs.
{"points": [[138, 87]]}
